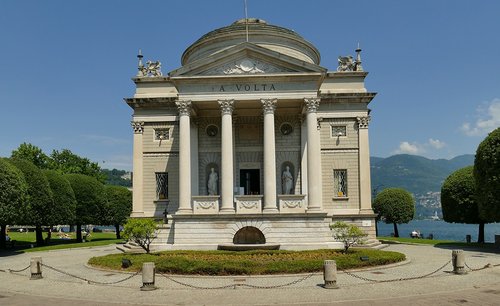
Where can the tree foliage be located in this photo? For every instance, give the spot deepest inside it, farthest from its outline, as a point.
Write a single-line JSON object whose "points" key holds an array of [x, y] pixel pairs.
{"points": [[13, 196], [487, 176], [41, 204], [348, 234], [64, 198], [141, 231], [90, 200], [67, 162], [119, 206], [31, 153], [395, 205]]}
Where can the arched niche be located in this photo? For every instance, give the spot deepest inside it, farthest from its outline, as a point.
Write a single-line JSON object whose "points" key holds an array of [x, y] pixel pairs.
{"points": [[284, 176], [249, 235], [211, 177]]}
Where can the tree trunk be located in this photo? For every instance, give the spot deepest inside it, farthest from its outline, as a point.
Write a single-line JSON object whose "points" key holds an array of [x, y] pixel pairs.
{"points": [[117, 228], [39, 235], [396, 233], [3, 233], [78, 233], [71, 228], [480, 234], [376, 228]]}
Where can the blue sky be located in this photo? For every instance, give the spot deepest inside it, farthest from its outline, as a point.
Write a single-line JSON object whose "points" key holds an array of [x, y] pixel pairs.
{"points": [[66, 66]]}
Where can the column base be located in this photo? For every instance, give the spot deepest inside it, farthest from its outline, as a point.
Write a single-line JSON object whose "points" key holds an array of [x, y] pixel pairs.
{"points": [[270, 211], [184, 211], [227, 211], [137, 214], [367, 211], [314, 210]]}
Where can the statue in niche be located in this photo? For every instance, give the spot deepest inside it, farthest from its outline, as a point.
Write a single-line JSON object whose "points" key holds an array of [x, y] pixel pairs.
{"points": [[287, 181], [213, 180]]}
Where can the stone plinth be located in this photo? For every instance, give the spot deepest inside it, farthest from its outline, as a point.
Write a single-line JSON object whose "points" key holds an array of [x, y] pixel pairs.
{"points": [[205, 204], [248, 204], [292, 203]]}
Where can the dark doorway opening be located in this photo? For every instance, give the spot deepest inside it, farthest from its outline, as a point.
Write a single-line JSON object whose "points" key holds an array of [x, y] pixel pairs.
{"points": [[250, 180], [249, 235]]}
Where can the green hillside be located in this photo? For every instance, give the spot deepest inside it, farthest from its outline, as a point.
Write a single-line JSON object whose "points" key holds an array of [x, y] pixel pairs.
{"points": [[416, 174]]}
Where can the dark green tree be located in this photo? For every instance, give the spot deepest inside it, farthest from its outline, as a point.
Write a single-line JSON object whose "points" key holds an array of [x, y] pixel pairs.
{"points": [[119, 206], [41, 204], [31, 153], [396, 206], [487, 176], [13, 196], [458, 200], [64, 198], [67, 162], [90, 201]]}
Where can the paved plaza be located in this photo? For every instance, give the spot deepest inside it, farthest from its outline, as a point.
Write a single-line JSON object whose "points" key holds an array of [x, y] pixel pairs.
{"points": [[442, 288]]}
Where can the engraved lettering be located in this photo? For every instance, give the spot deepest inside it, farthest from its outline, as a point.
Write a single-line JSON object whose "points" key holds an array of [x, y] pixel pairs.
{"points": [[221, 88], [272, 87], [247, 87], [264, 87], [255, 87], [238, 86]]}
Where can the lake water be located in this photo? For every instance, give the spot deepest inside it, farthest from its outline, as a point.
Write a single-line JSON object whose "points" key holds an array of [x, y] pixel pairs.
{"points": [[441, 230]]}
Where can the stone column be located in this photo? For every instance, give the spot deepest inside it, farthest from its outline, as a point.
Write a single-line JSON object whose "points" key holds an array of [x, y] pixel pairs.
{"points": [[270, 202], [227, 175], [314, 175], [137, 195], [184, 157], [365, 196]]}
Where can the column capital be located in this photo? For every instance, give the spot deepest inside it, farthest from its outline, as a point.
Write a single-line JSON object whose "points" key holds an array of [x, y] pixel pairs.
{"points": [[226, 106], [184, 107], [363, 122], [138, 126], [269, 105], [312, 104]]}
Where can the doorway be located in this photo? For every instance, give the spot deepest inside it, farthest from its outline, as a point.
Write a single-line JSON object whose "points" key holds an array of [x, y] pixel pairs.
{"points": [[250, 181]]}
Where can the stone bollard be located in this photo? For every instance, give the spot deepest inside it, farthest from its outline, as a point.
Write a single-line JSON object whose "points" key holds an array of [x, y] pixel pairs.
{"points": [[36, 267], [330, 274], [458, 261], [148, 276]]}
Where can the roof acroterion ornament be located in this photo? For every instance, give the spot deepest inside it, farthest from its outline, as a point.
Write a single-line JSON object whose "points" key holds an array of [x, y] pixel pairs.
{"points": [[152, 69]]}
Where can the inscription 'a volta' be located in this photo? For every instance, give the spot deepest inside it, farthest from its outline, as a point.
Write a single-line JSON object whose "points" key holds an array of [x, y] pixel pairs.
{"points": [[244, 87]]}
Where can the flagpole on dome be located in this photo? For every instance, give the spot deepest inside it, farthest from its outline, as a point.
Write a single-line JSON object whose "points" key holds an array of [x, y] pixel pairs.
{"points": [[246, 18]]}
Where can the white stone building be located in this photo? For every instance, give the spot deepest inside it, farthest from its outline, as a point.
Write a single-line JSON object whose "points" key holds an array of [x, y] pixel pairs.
{"points": [[251, 141]]}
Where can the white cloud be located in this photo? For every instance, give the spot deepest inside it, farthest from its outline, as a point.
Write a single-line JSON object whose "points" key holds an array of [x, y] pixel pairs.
{"points": [[409, 148], [489, 119], [436, 143]]}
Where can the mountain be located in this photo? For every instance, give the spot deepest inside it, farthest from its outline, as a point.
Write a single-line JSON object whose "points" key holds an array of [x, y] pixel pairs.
{"points": [[117, 177], [416, 174]]}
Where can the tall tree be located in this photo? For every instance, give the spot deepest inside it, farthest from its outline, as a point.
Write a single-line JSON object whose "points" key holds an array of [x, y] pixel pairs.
{"points": [[458, 200], [487, 176], [67, 162], [13, 196], [31, 153], [396, 206], [64, 198], [119, 206], [41, 203], [90, 201]]}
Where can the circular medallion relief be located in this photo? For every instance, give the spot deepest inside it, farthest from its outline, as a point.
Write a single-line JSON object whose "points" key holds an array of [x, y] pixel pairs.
{"points": [[286, 128], [212, 130], [246, 65]]}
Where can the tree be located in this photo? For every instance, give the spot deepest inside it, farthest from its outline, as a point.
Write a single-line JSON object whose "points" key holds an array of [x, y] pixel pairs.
{"points": [[90, 201], [67, 162], [396, 206], [119, 206], [348, 234], [487, 176], [64, 198], [31, 153], [41, 204], [458, 200], [13, 196], [142, 231]]}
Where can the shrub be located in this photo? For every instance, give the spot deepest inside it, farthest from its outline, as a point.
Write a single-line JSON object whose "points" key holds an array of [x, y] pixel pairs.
{"points": [[141, 231], [348, 234]]}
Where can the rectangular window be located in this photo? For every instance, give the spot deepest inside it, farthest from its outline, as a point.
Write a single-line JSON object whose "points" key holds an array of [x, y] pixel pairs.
{"points": [[340, 183], [161, 185], [162, 134], [339, 131]]}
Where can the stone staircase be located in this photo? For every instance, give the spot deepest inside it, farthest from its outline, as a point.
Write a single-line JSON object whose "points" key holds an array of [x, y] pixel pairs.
{"points": [[372, 244]]}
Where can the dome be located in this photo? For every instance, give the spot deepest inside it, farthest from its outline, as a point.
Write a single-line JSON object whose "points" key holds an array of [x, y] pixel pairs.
{"points": [[261, 33]]}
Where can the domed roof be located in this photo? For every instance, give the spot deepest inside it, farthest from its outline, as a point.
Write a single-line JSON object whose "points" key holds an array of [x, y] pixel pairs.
{"points": [[261, 33]]}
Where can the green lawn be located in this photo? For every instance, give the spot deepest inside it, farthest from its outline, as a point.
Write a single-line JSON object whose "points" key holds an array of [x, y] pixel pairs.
{"points": [[26, 242], [249, 262], [434, 242]]}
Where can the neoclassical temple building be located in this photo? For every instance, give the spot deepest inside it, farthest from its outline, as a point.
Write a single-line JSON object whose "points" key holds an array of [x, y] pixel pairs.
{"points": [[251, 141]]}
